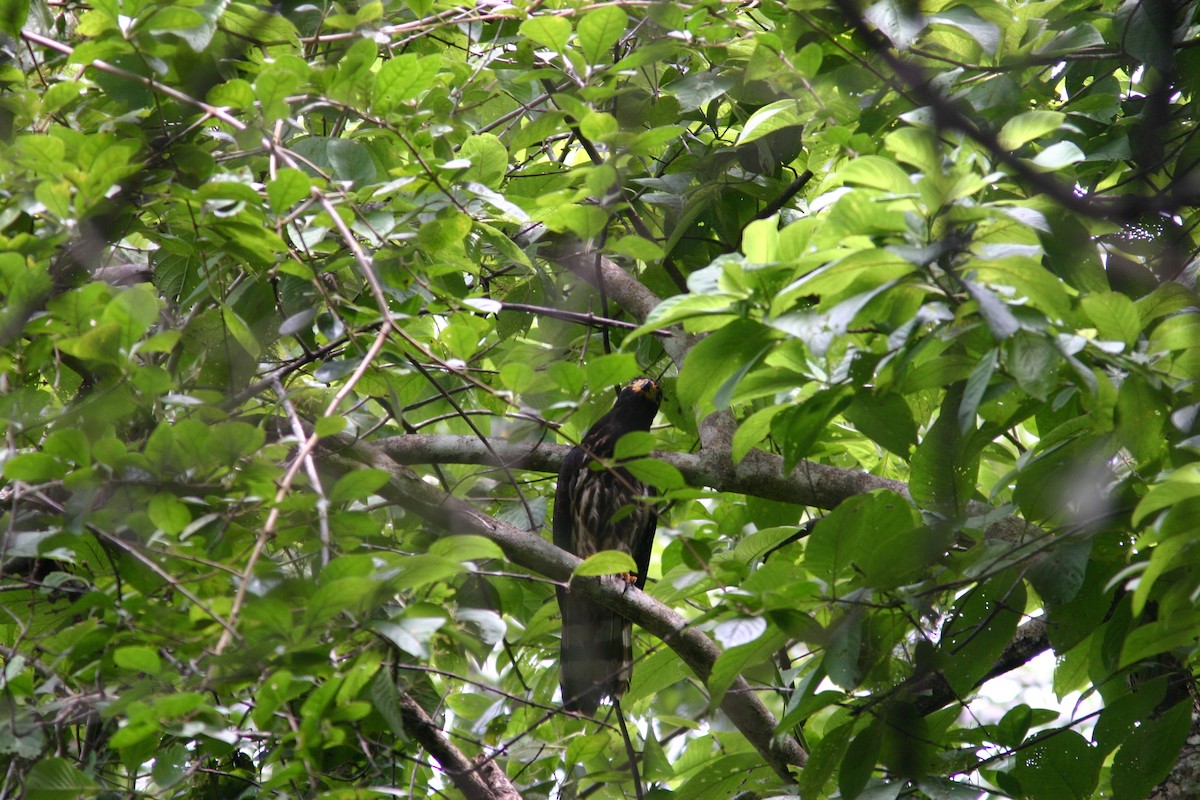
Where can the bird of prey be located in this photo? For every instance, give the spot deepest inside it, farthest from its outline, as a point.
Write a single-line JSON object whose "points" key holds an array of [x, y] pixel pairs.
{"points": [[594, 510]]}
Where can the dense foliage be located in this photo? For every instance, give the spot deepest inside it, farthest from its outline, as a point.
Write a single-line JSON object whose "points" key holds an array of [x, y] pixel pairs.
{"points": [[303, 304]]}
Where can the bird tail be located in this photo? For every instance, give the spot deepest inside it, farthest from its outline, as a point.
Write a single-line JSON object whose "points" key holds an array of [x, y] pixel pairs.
{"points": [[596, 653]]}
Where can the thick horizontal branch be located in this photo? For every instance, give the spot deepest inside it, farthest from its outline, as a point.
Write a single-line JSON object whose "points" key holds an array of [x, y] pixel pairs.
{"points": [[759, 474], [531, 551]]}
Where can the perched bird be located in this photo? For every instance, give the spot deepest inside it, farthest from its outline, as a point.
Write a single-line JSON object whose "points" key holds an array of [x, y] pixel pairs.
{"points": [[594, 510]]}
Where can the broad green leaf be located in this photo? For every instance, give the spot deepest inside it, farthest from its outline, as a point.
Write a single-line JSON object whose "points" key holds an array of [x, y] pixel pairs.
{"points": [[138, 659], [753, 430], [1029, 126], [168, 513], [33, 468], [824, 760], [1059, 575], [1033, 360], [886, 419], [1141, 418], [859, 761], [739, 631], [878, 173], [599, 30], [403, 79], [611, 370], [607, 562], [848, 533], [57, 779], [358, 485], [489, 159], [1115, 316], [1158, 637], [548, 31], [685, 306], [800, 428], [980, 627], [1179, 486], [770, 118], [740, 657], [1062, 766], [1151, 751], [632, 444], [716, 358], [289, 186]]}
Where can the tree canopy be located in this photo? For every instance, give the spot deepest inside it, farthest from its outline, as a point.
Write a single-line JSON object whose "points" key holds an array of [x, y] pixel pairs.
{"points": [[304, 304]]}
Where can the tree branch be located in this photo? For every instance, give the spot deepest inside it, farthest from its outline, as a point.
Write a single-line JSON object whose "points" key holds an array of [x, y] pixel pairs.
{"points": [[477, 781], [759, 474], [448, 513]]}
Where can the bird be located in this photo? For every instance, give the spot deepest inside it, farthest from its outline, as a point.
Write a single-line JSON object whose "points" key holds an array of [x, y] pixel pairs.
{"points": [[594, 510]]}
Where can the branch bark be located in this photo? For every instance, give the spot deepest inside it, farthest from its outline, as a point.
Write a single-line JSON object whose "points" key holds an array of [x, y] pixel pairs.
{"points": [[759, 474], [408, 491], [477, 781]]}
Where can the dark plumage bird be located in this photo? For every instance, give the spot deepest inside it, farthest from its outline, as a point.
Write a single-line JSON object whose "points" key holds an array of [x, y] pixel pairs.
{"points": [[597, 643]]}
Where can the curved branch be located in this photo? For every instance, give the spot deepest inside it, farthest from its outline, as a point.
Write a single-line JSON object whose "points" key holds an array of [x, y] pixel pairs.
{"points": [[759, 474], [408, 491]]}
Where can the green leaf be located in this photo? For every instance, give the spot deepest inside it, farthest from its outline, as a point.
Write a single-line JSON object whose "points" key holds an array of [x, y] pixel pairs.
{"points": [[611, 370], [12, 17], [884, 418], [980, 627], [57, 779], [330, 426], [633, 444], [770, 118], [1158, 637], [1115, 316], [1029, 126], [1141, 417], [716, 358], [386, 700], [138, 659], [824, 760], [859, 761], [1181, 485], [878, 173], [753, 430], [168, 513], [1058, 766], [738, 658], [288, 187], [358, 485], [488, 157], [851, 532], [599, 30], [944, 466], [240, 331], [739, 631], [607, 562], [1151, 751], [1033, 360], [403, 79], [548, 30], [685, 306], [799, 430], [340, 595], [699, 88], [1058, 576], [466, 548], [1000, 320], [33, 468]]}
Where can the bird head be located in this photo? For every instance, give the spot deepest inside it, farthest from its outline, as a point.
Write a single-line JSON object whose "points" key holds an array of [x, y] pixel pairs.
{"points": [[642, 389]]}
